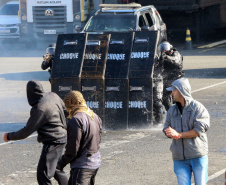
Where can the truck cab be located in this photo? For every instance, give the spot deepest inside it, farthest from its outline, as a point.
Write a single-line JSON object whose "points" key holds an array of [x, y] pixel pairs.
{"points": [[44, 20]]}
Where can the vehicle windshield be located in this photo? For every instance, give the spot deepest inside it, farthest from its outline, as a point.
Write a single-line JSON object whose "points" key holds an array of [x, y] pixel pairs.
{"points": [[9, 9], [110, 22]]}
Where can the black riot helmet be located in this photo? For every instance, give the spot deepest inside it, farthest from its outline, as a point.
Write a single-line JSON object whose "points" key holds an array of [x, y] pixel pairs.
{"points": [[165, 46], [51, 49]]}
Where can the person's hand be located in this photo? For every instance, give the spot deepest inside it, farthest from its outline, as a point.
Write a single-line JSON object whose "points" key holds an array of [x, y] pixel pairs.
{"points": [[163, 57], [170, 132], [60, 165], [5, 137], [47, 58]]}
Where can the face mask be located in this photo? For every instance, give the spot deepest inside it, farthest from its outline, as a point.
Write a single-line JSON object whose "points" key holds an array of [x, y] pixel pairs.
{"points": [[167, 52]]}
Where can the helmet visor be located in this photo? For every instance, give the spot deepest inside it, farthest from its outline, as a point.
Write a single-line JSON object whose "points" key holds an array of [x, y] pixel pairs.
{"points": [[50, 50]]}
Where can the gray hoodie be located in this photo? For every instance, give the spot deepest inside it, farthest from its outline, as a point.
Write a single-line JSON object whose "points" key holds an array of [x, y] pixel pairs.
{"points": [[194, 116]]}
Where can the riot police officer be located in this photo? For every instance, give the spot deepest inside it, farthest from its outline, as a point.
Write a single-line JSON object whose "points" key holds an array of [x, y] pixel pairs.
{"points": [[172, 62], [48, 58], [159, 110]]}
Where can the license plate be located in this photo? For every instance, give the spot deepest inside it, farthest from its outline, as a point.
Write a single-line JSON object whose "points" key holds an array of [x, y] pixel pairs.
{"points": [[4, 31], [49, 31]]}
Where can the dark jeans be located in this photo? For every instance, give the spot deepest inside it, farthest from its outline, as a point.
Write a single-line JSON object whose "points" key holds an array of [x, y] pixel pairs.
{"points": [[167, 98], [47, 165], [79, 176]]}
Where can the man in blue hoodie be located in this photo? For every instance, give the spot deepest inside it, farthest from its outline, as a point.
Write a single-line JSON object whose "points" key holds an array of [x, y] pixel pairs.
{"points": [[47, 117], [186, 123]]}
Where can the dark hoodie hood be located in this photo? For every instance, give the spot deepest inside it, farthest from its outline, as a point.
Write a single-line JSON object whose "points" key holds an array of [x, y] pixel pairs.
{"points": [[34, 92]]}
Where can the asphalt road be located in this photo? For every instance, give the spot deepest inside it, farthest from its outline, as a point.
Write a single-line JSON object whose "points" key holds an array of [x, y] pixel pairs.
{"points": [[129, 157]]}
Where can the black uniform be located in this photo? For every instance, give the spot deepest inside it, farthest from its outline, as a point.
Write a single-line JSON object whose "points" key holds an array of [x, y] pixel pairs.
{"points": [[50, 51], [172, 70], [158, 107], [47, 117], [45, 65]]}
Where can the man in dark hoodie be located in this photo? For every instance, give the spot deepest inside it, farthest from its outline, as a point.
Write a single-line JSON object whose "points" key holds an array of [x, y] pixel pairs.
{"points": [[47, 117], [84, 135], [187, 123]]}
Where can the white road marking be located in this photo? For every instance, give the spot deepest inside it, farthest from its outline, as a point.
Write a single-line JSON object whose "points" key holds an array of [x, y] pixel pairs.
{"points": [[204, 88], [215, 175], [211, 48], [213, 44], [34, 135]]}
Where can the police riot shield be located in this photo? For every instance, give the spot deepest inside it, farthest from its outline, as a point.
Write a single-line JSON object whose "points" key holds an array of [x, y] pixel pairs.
{"points": [[93, 70], [117, 80], [67, 65], [140, 79]]}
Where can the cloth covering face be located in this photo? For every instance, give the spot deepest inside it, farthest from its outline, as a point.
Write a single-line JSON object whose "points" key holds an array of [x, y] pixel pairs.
{"points": [[75, 103]]}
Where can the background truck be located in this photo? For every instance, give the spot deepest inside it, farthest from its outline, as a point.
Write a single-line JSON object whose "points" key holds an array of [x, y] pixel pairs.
{"points": [[200, 16], [45, 19]]}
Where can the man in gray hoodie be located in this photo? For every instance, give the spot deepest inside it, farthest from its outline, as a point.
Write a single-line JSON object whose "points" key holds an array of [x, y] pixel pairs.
{"points": [[186, 123]]}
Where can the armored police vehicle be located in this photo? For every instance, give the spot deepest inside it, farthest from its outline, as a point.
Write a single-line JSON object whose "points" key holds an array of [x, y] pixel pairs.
{"points": [[115, 71], [126, 17]]}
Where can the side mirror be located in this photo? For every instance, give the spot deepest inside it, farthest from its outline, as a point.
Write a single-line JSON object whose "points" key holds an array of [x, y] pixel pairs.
{"points": [[78, 29], [151, 28], [144, 28]]}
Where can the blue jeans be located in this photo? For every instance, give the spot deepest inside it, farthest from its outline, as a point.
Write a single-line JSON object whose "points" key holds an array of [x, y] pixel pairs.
{"points": [[184, 168]]}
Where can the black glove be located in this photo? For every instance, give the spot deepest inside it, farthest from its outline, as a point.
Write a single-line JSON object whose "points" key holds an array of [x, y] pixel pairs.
{"points": [[51, 58], [60, 165], [163, 57]]}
